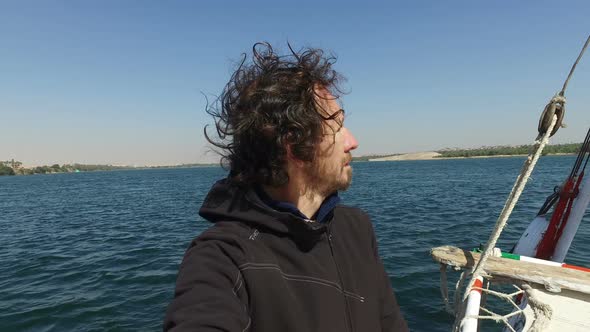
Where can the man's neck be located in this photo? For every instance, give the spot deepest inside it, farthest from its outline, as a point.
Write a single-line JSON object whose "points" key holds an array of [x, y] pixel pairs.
{"points": [[306, 201]]}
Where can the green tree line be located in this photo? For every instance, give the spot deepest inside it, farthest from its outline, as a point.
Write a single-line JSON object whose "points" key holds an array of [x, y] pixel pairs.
{"points": [[12, 167], [570, 148], [508, 150]]}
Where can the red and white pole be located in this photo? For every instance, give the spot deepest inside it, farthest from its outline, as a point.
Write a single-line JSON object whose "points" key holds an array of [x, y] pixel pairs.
{"points": [[469, 323]]}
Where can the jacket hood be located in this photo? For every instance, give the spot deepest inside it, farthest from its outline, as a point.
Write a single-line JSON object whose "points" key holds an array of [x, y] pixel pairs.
{"points": [[228, 202]]}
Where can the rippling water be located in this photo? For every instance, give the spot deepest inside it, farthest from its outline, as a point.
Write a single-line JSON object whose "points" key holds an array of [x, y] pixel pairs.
{"points": [[100, 251]]}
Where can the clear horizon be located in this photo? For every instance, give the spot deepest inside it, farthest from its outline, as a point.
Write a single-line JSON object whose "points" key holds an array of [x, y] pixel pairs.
{"points": [[217, 160], [123, 83]]}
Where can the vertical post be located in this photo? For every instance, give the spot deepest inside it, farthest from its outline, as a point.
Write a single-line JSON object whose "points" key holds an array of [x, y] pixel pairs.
{"points": [[575, 218], [469, 323]]}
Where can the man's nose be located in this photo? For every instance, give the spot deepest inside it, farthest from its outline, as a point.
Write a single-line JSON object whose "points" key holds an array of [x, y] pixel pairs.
{"points": [[350, 142]]}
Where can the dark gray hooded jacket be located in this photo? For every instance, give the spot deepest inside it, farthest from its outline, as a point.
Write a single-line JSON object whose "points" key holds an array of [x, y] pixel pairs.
{"points": [[261, 270]]}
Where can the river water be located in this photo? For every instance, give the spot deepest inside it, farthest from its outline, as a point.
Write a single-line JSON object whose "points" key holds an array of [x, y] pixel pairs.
{"points": [[99, 251]]}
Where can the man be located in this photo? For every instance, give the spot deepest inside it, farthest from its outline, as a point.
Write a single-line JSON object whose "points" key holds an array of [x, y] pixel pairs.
{"points": [[282, 254]]}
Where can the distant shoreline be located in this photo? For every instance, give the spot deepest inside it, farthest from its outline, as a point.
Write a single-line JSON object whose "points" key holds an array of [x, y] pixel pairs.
{"points": [[482, 152], [432, 155], [13, 167], [18, 170]]}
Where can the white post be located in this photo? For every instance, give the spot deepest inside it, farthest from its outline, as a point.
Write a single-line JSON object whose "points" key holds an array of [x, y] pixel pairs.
{"points": [[469, 323], [574, 220]]}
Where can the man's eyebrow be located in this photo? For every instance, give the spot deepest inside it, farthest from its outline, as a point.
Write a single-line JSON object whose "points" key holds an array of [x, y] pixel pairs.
{"points": [[340, 115]]}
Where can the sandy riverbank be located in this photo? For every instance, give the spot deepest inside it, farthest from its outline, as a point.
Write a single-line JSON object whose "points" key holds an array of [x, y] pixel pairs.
{"points": [[410, 156]]}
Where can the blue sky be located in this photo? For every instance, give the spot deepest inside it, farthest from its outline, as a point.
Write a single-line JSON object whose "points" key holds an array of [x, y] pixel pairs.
{"points": [[122, 81]]}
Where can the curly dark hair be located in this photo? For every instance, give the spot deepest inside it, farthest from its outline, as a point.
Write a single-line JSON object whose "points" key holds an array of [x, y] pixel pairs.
{"points": [[270, 103]]}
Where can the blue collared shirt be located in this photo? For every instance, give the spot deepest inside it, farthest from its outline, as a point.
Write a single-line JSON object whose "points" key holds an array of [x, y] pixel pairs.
{"points": [[321, 215]]}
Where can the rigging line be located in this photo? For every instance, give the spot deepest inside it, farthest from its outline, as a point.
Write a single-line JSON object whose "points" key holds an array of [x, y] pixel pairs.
{"points": [[581, 154], [584, 168], [574, 67], [553, 198], [585, 150]]}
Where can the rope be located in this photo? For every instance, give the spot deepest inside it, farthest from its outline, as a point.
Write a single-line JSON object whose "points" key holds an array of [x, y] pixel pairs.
{"points": [[459, 309], [517, 189], [444, 289], [542, 311], [549, 202], [574, 66]]}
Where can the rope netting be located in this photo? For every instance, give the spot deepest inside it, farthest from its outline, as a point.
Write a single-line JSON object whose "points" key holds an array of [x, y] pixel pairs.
{"points": [[509, 308]]}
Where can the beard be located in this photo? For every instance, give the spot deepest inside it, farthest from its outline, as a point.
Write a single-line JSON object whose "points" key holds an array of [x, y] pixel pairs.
{"points": [[326, 177]]}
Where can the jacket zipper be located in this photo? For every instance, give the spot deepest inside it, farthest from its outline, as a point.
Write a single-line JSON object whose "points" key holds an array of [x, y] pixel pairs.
{"points": [[347, 314]]}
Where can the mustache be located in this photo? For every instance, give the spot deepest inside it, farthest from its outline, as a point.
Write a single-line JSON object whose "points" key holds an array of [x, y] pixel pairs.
{"points": [[348, 158]]}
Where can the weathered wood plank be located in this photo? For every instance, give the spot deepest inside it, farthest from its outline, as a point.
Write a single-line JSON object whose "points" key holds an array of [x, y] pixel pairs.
{"points": [[553, 276]]}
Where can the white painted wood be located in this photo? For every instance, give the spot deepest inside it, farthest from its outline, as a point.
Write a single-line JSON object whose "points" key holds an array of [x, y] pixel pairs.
{"points": [[571, 310], [528, 242]]}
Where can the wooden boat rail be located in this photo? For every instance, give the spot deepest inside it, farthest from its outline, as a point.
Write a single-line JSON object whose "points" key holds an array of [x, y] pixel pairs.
{"points": [[508, 270]]}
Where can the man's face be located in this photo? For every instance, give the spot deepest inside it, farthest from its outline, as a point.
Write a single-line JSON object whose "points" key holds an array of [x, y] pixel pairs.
{"points": [[331, 171]]}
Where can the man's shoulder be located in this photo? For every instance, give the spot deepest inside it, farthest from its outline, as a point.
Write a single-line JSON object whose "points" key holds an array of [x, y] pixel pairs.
{"points": [[224, 240], [224, 233]]}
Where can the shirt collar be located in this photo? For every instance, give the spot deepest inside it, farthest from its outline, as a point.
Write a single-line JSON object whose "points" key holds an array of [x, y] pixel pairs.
{"points": [[321, 215]]}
